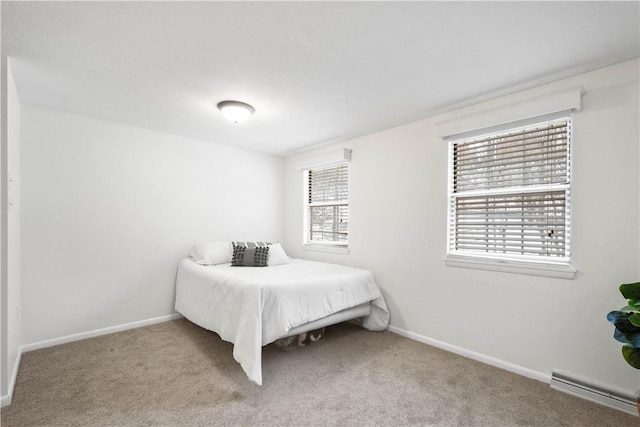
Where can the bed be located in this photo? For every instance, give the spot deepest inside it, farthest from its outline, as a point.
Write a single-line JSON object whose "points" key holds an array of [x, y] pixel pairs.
{"points": [[252, 307]]}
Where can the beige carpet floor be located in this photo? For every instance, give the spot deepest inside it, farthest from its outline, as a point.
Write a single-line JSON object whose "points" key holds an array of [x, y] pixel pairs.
{"points": [[176, 373]]}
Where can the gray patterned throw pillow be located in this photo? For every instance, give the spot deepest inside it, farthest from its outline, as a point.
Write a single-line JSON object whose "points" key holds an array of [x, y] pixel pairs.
{"points": [[250, 257]]}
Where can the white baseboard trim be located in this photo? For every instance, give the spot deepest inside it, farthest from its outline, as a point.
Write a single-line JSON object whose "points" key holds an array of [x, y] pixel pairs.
{"points": [[525, 372], [98, 332], [6, 400]]}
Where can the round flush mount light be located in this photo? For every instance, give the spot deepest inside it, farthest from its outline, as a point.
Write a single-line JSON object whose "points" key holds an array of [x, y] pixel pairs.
{"points": [[235, 111]]}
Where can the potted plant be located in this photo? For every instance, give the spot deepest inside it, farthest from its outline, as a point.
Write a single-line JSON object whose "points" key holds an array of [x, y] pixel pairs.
{"points": [[627, 323]]}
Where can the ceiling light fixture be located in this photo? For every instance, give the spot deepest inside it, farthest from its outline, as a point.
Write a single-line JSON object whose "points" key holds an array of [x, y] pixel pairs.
{"points": [[235, 111]]}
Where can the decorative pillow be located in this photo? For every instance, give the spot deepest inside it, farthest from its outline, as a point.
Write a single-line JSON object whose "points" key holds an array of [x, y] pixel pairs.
{"points": [[250, 257], [277, 255], [212, 253], [251, 244]]}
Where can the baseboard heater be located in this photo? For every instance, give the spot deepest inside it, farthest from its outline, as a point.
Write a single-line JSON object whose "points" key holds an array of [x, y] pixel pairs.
{"points": [[595, 393]]}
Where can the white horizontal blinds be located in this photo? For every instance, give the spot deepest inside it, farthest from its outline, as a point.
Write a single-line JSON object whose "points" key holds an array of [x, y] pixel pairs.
{"points": [[522, 224], [328, 203], [531, 156], [510, 193]]}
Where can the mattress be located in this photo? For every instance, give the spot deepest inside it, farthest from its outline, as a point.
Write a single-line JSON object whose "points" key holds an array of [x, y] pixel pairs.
{"points": [[253, 306]]}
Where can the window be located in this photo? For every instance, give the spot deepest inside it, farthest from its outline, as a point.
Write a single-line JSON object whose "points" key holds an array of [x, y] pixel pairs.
{"points": [[510, 194], [327, 205]]}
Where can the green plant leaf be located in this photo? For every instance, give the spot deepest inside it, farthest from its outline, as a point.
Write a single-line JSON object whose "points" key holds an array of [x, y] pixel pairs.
{"points": [[619, 336], [625, 331], [612, 316], [635, 319], [631, 291], [632, 356], [633, 339], [621, 321]]}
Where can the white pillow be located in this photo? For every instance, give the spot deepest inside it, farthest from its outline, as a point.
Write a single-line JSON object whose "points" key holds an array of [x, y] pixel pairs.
{"points": [[277, 255], [212, 253]]}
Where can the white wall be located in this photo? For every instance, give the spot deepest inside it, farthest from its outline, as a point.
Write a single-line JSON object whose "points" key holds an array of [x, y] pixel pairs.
{"points": [[108, 211], [398, 206], [10, 354]]}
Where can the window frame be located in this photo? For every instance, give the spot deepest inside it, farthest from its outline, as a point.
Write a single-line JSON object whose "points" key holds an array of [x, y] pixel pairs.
{"points": [[323, 245], [533, 265]]}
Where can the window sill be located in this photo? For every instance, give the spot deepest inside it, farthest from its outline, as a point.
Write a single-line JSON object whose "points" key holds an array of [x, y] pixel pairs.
{"points": [[529, 268], [326, 248]]}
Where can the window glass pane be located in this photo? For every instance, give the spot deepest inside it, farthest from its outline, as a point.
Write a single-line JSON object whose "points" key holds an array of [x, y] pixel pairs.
{"points": [[523, 224], [328, 223], [509, 193], [527, 157], [329, 184], [327, 205]]}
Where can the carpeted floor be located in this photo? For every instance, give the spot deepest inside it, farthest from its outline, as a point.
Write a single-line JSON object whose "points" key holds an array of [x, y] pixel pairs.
{"points": [[176, 373]]}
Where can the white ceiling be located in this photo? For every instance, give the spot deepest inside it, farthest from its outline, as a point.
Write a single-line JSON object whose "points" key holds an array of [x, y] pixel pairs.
{"points": [[314, 71]]}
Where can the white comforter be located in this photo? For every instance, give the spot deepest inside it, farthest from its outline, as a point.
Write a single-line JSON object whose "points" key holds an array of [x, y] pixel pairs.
{"points": [[254, 306]]}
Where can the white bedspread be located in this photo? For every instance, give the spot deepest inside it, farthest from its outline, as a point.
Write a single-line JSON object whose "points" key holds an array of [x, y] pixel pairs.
{"points": [[254, 306]]}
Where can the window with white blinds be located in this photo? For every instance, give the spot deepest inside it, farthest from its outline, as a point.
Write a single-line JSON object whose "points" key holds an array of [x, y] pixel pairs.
{"points": [[509, 194], [327, 213]]}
